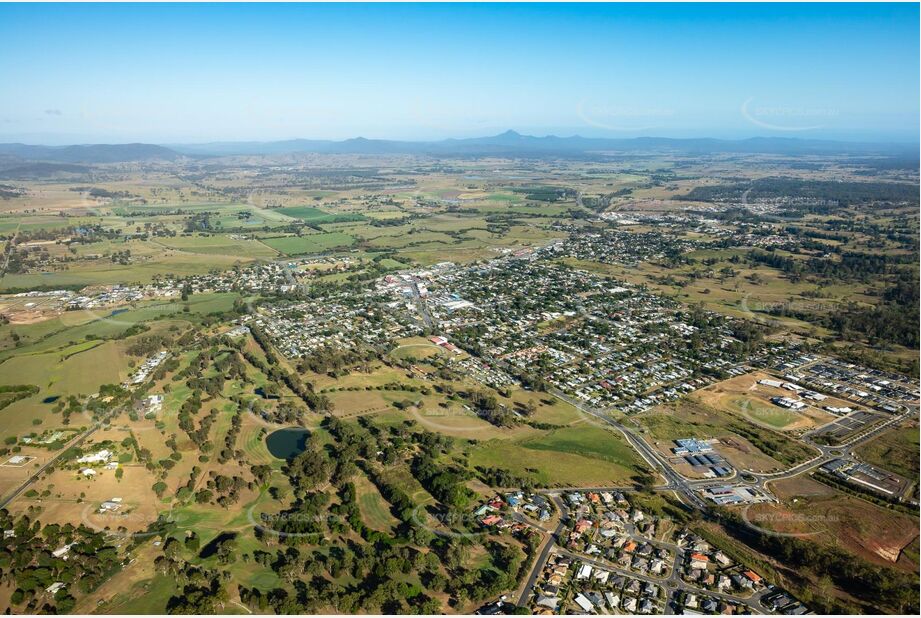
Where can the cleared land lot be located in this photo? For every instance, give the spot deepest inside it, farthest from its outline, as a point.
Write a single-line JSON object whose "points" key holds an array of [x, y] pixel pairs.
{"points": [[827, 516], [746, 446], [742, 395]]}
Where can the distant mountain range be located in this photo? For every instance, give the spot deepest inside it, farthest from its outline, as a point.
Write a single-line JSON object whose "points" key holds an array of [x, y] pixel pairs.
{"points": [[515, 144], [89, 153], [508, 144]]}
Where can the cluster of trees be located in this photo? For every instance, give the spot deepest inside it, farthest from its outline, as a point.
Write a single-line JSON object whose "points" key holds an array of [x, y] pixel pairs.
{"points": [[488, 408], [750, 335], [310, 468], [334, 361], [546, 194], [202, 590], [270, 367], [817, 195], [285, 413], [190, 407], [374, 567], [885, 324], [500, 477], [230, 450], [894, 320], [28, 566], [227, 489], [851, 266], [445, 483], [14, 392], [198, 222]]}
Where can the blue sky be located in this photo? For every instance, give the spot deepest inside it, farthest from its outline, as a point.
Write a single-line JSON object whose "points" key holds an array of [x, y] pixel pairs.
{"points": [[187, 73]]}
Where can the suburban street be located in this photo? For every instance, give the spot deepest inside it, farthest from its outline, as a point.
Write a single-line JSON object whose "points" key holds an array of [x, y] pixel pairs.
{"points": [[687, 488]]}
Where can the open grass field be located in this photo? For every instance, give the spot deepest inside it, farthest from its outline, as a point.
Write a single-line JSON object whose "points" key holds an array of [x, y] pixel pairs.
{"points": [[12, 476], [565, 470], [179, 255], [401, 476], [895, 450], [70, 328], [311, 243], [380, 375], [220, 244], [142, 269], [583, 455], [416, 348], [58, 375], [587, 441], [355, 403], [147, 596], [66, 497], [375, 511]]}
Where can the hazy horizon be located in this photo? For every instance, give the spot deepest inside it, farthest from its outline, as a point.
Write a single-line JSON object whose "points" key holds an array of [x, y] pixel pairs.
{"points": [[185, 74], [63, 142]]}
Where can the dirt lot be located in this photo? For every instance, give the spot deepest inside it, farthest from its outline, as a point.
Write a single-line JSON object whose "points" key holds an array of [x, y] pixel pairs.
{"points": [[824, 515], [65, 497], [12, 476], [737, 451]]}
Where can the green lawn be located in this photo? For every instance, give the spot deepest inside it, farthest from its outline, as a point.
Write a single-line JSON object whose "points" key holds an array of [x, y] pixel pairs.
{"points": [[315, 215], [587, 441], [220, 244], [375, 510], [572, 456]]}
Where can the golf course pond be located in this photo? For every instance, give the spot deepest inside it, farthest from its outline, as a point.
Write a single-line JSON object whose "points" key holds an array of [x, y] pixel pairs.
{"points": [[287, 443]]}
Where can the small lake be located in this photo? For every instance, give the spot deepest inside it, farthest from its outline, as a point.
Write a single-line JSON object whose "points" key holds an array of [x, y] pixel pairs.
{"points": [[287, 443]]}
